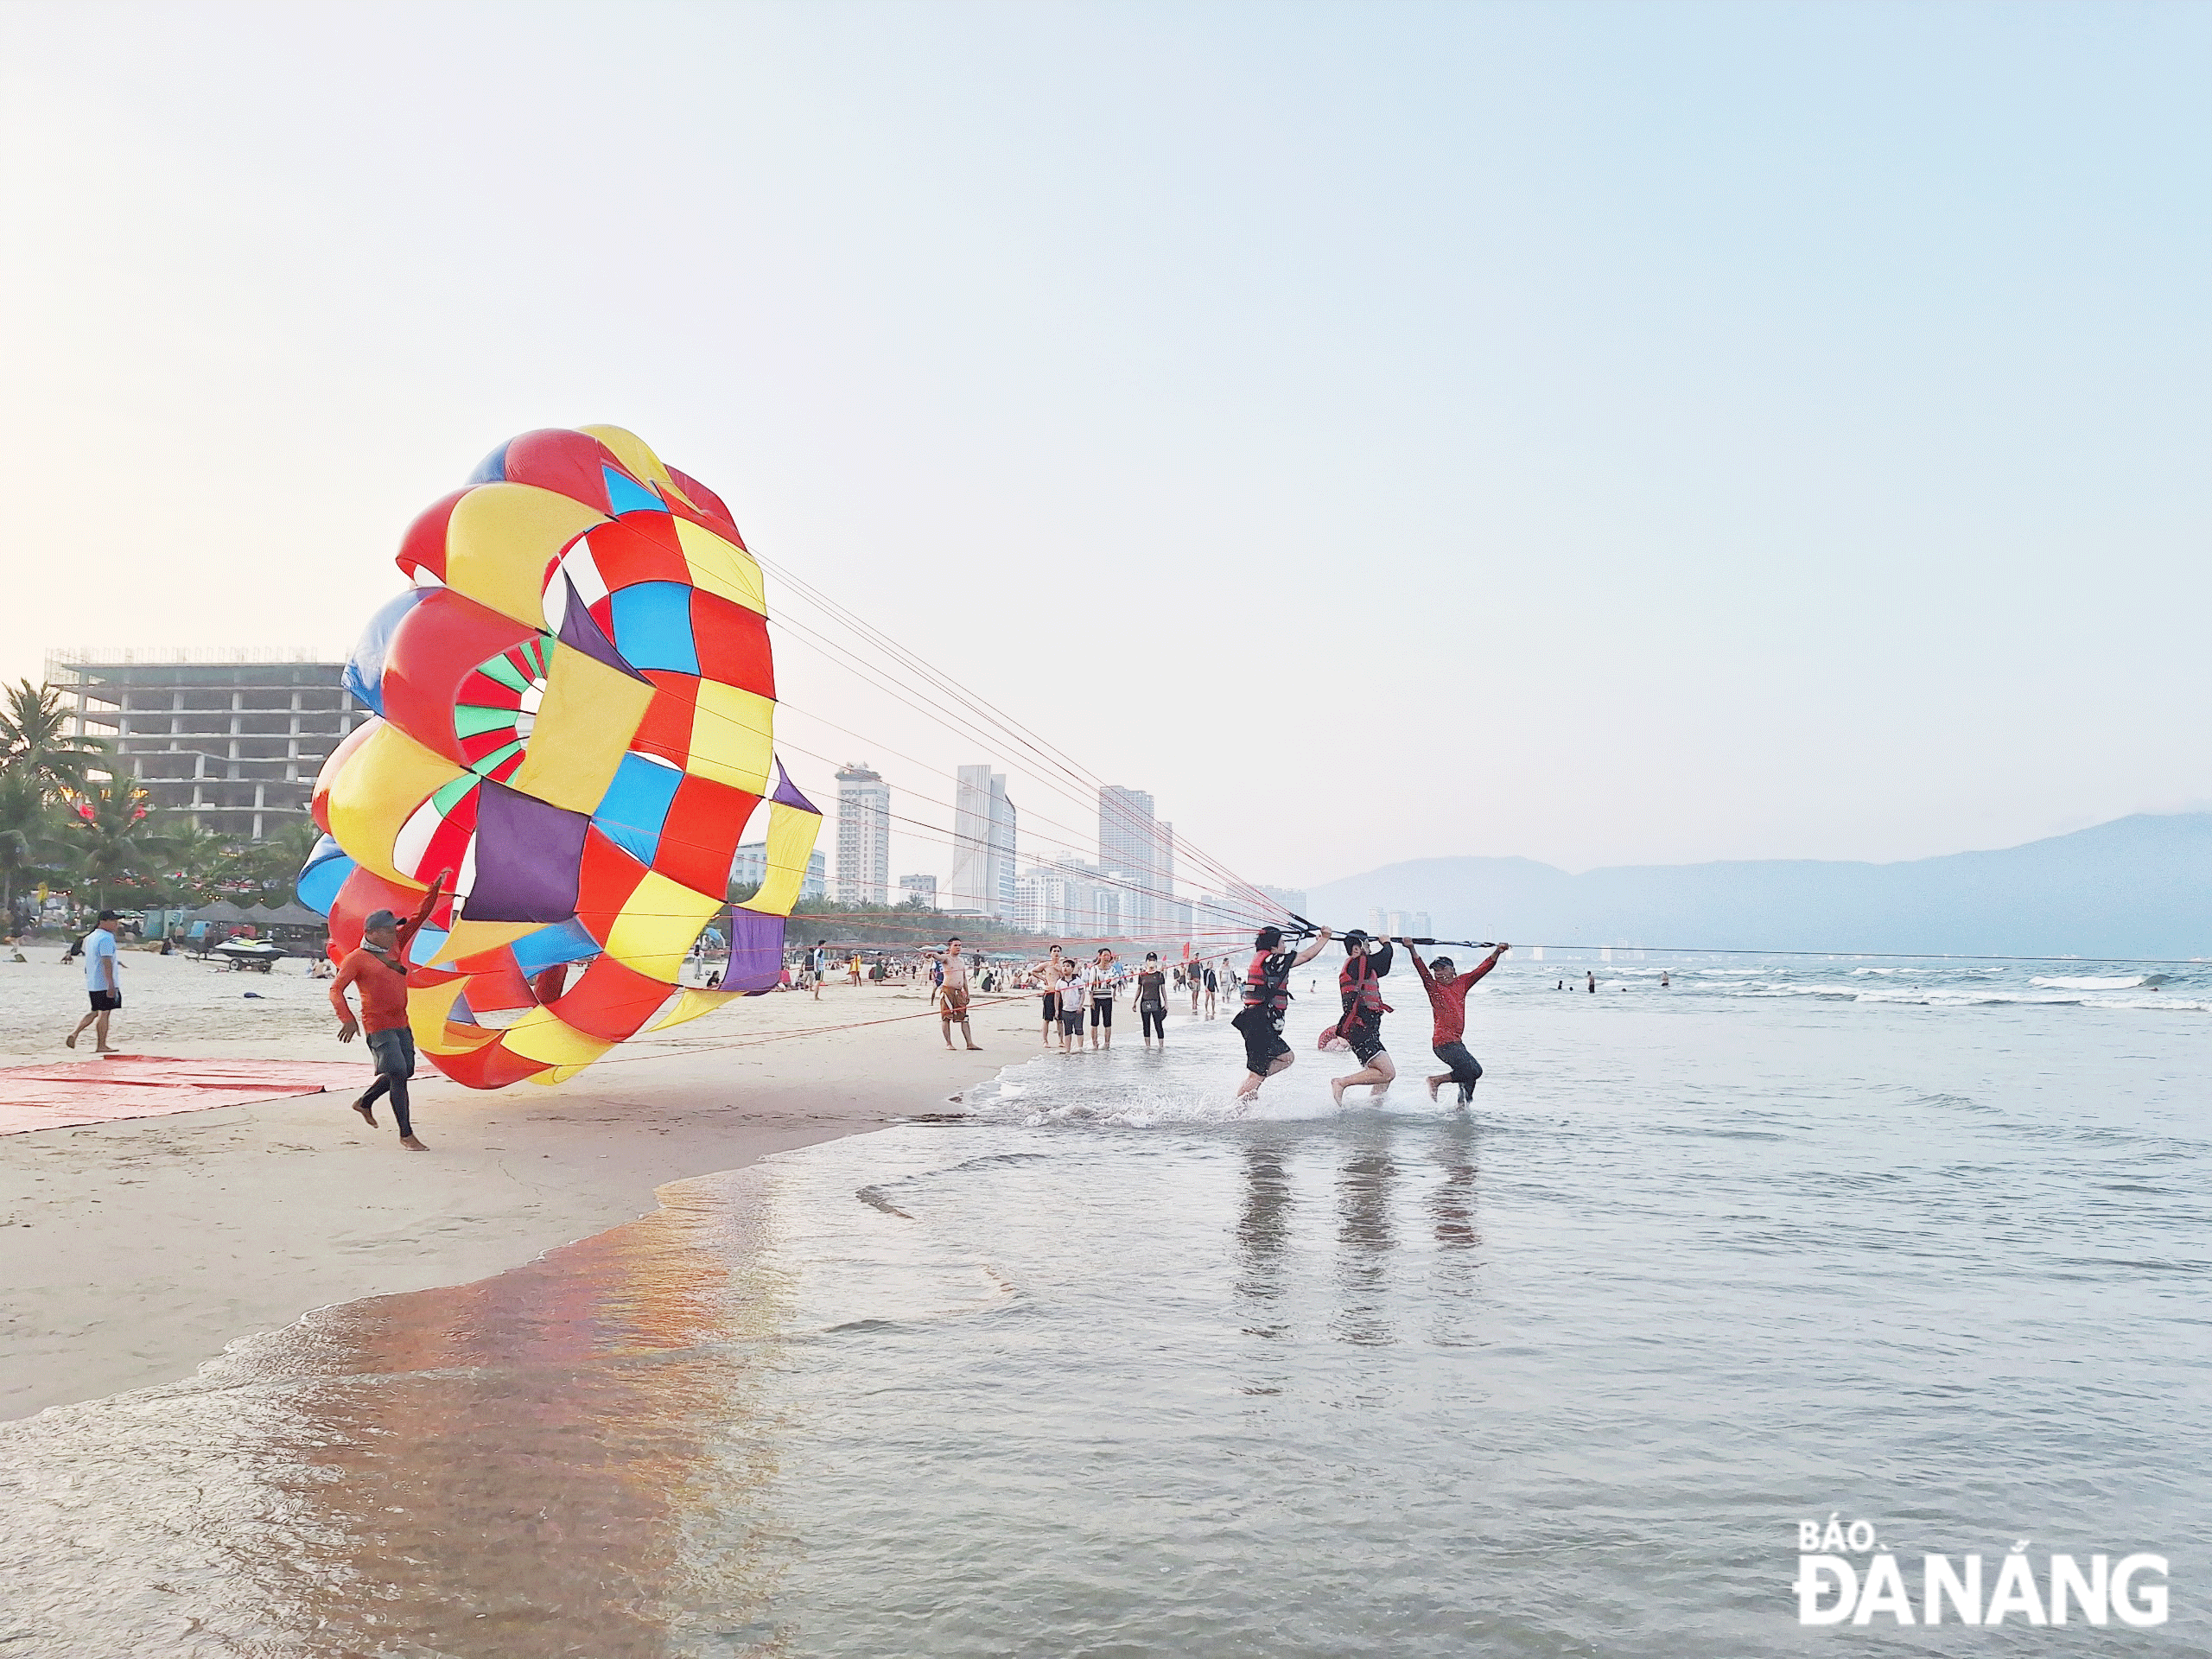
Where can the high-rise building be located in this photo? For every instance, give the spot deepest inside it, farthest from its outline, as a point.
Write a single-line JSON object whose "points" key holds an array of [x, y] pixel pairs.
{"points": [[749, 868], [1169, 919], [1129, 848], [863, 837], [1398, 923], [917, 890], [982, 845], [1001, 873], [1230, 916], [233, 740]]}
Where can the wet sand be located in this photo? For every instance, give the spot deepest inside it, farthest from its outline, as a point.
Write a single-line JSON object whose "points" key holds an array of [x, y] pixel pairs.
{"points": [[132, 1253]]}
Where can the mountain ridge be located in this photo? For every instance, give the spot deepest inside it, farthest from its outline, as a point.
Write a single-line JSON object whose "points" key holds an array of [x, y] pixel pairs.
{"points": [[2140, 886]]}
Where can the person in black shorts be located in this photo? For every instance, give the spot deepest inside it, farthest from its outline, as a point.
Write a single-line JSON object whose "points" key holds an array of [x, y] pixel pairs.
{"points": [[1050, 979], [1360, 1029], [1071, 1007], [1266, 999], [1102, 973]]}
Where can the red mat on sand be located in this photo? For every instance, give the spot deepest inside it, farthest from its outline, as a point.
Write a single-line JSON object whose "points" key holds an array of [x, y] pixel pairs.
{"points": [[154, 1085]]}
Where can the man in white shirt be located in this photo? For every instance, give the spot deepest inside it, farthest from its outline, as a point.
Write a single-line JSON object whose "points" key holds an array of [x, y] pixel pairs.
{"points": [[102, 982]]}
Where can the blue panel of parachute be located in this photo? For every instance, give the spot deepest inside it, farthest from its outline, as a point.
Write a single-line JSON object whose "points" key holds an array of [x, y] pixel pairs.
{"points": [[364, 675], [325, 872]]}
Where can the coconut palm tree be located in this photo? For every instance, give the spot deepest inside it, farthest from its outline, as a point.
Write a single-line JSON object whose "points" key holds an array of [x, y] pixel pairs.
{"points": [[114, 837], [272, 867], [196, 862], [34, 742], [30, 838]]}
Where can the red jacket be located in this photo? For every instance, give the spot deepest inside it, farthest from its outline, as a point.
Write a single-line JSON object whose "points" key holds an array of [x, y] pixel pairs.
{"points": [[1448, 998], [382, 986]]}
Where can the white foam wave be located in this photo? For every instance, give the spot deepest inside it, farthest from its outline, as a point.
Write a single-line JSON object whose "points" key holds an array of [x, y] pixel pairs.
{"points": [[2088, 982]]}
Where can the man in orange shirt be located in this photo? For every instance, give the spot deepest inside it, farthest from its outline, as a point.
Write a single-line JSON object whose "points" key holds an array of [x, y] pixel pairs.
{"points": [[379, 968]]}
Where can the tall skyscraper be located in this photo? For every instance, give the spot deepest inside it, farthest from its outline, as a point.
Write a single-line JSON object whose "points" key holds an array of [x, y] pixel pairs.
{"points": [[1130, 849], [982, 845], [863, 836], [1001, 873]]}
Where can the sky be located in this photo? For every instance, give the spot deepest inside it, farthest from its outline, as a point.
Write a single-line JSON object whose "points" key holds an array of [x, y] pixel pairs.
{"points": [[1604, 434]]}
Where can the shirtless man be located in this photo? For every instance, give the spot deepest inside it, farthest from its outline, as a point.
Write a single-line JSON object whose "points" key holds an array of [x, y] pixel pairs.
{"points": [[952, 995]]}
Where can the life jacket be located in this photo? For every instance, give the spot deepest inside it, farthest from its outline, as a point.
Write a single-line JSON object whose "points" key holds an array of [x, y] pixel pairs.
{"points": [[1267, 986], [1362, 988]]}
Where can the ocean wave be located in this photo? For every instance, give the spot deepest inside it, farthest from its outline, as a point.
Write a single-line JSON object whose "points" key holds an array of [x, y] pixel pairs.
{"points": [[2090, 983], [1935, 996]]}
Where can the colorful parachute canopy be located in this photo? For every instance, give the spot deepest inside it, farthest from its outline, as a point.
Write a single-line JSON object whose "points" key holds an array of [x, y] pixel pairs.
{"points": [[574, 708]]}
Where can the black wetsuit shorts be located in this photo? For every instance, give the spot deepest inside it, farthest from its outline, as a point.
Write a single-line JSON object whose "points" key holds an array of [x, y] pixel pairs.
{"points": [[1263, 1043], [1365, 1037], [1466, 1069]]}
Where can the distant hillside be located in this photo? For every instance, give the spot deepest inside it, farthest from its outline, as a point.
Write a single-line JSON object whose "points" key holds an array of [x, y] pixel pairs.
{"points": [[2138, 887]]}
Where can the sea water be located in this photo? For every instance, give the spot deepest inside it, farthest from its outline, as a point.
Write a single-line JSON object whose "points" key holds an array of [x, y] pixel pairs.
{"points": [[1098, 1363]]}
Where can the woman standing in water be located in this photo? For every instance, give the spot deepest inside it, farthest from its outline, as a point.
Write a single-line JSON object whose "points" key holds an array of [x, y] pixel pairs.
{"points": [[1152, 999]]}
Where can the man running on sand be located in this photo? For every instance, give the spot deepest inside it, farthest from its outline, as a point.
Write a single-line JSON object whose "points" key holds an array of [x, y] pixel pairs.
{"points": [[102, 983], [952, 995], [1266, 999], [1447, 1000], [379, 968]]}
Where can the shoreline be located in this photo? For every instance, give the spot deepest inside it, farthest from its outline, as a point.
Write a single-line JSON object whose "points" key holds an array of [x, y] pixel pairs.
{"points": [[132, 1253]]}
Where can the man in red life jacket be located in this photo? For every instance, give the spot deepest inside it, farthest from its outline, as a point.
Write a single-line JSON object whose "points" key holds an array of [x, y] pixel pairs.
{"points": [[1360, 1029], [1447, 1000], [379, 968], [1266, 999]]}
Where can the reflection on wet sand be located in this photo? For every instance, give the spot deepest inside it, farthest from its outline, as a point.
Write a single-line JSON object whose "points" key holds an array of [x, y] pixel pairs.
{"points": [[1365, 1240], [511, 1467], [1263, 1227], [1451, 1205]]}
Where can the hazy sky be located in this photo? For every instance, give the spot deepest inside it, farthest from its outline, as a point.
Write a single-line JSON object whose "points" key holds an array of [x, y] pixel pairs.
{"points": [[1606, 434]]}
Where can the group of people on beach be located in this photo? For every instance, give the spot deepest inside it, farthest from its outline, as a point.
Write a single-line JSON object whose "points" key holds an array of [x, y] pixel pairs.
{"points": [[1368, 961], [1077, 997]]}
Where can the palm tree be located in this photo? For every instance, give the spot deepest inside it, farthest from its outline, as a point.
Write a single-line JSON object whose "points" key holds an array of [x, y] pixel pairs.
{"points": [[273, 866], [34, 742], [114, 837], [31, 833], [196, 860]]}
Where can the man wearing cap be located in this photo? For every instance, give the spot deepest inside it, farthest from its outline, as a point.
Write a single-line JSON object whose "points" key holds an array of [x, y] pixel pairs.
{"points": [[1366, 961], [379, 968], [102, 982]]}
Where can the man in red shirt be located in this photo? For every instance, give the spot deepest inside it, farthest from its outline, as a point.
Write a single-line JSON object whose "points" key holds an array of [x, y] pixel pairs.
{"points": [[1447, 1000], [379, 968]]}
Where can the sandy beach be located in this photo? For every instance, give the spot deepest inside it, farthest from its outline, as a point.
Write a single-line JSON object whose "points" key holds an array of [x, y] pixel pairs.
{"points": [[131, 1253]]}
